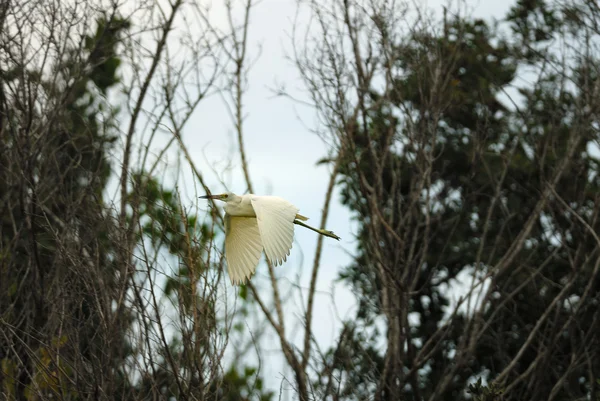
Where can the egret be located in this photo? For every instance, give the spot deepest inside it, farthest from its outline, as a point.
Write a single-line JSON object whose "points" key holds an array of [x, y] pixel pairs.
{"points": [[254, 223]]}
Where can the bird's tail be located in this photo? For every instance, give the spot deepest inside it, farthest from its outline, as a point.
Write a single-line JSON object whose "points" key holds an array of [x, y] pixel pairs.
{"points": [[300, 217]]}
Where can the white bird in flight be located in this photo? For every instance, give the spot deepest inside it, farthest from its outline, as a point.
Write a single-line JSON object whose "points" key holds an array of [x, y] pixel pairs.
{"points": [[254, 223]]}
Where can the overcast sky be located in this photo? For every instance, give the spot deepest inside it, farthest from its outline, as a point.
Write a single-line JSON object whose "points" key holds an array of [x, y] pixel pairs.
{"points": [[282, 154]]}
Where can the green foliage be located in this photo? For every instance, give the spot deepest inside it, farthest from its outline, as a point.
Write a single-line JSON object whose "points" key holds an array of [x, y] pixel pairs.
{"points": [[167, 226], [171, 229], [102, 47], [241, 386], [164, 221], [533, 22], [65, 317], [55, 152], [357, 358], [485, 393], [474, 132]]}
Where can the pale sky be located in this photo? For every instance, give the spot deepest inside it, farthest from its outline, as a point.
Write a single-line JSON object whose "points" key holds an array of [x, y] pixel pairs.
{"points": [[282, 154]]}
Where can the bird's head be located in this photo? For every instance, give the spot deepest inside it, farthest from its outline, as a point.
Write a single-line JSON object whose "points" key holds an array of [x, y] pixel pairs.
{"points": [[222, 197]]}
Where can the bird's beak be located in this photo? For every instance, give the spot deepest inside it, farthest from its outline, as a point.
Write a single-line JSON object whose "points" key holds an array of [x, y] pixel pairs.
{"points": [[211, 197]]}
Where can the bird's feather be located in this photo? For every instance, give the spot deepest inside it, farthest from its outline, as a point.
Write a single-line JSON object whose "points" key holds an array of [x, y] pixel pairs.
{"points": [[243, 247], [275, 217]]}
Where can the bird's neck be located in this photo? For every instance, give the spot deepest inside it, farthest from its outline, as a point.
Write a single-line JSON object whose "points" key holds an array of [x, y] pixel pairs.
{"points": [[235, 199], [240, 206]]}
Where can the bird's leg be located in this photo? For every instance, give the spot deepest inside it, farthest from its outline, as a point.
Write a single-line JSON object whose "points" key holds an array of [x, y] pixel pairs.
{"points": [[326, 233]]}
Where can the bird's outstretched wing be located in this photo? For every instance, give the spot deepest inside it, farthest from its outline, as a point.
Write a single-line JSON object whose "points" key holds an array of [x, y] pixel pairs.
{"points": [[242, 247], [275, 218]]}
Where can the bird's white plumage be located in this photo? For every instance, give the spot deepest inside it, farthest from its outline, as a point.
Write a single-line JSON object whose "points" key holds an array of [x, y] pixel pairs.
{"points": [[275, 217], [243, 247], [254, 223]]}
